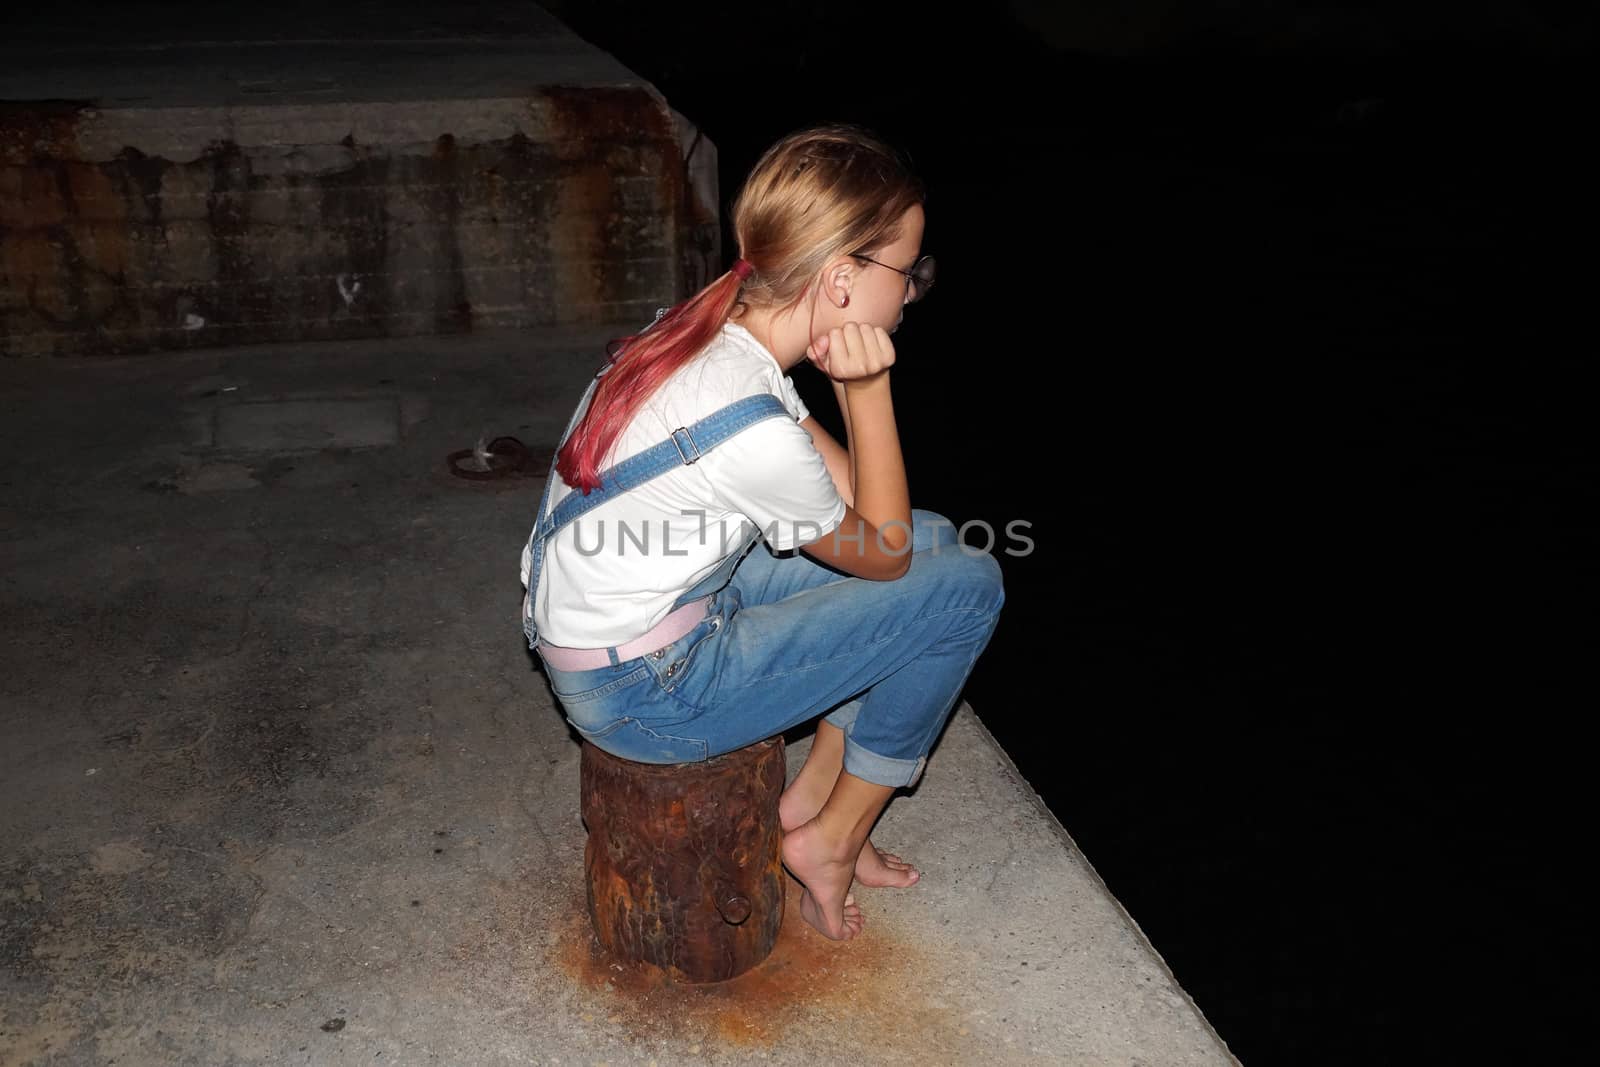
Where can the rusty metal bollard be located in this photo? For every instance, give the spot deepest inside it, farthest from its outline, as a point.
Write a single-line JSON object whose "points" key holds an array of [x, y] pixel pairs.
{"points": [[683, 865]]}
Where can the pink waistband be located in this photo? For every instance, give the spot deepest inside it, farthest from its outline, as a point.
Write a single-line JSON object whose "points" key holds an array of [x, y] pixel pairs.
{"points": [[675, 625]]}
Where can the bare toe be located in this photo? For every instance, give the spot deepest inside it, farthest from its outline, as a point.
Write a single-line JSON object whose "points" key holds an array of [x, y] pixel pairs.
{"points": [[884, 870]]}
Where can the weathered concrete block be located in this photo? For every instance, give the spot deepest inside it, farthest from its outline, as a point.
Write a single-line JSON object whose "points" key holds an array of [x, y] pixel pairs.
{"points": [[451, 200]]}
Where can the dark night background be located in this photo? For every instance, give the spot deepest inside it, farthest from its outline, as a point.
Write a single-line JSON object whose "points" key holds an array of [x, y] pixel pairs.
{"points": [[1269, 319], [1264, 320]]}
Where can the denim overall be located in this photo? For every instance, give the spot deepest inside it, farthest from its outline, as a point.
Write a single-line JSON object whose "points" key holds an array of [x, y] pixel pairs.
{"points": [[684, 446], [785, 638]]}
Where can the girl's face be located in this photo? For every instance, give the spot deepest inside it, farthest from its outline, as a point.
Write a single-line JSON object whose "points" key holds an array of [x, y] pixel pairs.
{"points": [[870, 293]]}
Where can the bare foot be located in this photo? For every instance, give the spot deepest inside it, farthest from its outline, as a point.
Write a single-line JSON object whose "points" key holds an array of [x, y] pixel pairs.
{"points": [[827, 902], [880, 870], [884, 870]]}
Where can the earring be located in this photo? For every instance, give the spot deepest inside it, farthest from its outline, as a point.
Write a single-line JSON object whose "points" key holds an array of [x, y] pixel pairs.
{"points": [[844, 300]]}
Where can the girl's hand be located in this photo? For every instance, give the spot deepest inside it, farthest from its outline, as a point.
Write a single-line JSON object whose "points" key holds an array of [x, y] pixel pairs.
{"points": [[852, 352]]}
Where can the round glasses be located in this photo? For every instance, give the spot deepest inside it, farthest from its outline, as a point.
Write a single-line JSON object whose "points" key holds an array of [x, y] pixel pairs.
{"points": [[919, 279]]}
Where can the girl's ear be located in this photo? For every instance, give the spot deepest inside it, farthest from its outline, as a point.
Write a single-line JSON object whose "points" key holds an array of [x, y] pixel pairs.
{"points": [[837, 280]]}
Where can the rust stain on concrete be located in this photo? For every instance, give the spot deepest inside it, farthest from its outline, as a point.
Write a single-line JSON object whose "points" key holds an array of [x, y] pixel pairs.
{"points": [[31, 263], [46, 129], [878, 980], [589, 114], [589, 225]]}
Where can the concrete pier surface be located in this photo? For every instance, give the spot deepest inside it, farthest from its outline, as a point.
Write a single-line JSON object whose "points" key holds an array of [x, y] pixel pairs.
{"points": [[281, 783]]}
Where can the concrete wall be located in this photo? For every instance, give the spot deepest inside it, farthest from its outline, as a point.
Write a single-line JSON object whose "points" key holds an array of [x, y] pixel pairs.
{"points": [[133, 229]]}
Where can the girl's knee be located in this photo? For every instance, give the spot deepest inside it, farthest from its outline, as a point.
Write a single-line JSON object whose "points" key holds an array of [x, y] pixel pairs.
{"points": [[929, 529], [969, 576], [971, 569], [988, 579]]}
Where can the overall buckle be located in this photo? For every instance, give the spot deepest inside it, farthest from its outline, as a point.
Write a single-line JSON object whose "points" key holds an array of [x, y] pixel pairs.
{"points": [[681, 453]]}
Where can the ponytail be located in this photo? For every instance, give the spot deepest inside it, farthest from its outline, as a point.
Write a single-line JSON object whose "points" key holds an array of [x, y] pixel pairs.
{"points": [[640, 363]]}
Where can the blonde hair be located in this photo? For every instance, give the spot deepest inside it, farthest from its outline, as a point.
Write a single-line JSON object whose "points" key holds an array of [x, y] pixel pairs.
{"points": [[818, 193]]}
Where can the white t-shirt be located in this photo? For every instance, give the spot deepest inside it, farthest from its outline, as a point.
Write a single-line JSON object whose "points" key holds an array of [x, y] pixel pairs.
{"points": [[643, 549]]}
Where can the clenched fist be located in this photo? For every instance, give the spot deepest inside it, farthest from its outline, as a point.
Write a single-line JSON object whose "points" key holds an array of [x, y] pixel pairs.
{"points": [[852, 352]]}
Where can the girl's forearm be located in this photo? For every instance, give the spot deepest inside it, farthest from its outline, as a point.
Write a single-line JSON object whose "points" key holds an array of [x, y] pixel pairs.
{"points": [[877, 465], [849, 441]]}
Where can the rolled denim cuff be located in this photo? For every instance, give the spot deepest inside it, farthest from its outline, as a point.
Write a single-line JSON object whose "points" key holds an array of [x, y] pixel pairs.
{"points": [[844, 716], [881, 770]]}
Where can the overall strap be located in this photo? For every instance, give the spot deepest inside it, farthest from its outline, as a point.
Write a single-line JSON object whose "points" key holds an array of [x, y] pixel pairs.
{"points": [[682, 447]]}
